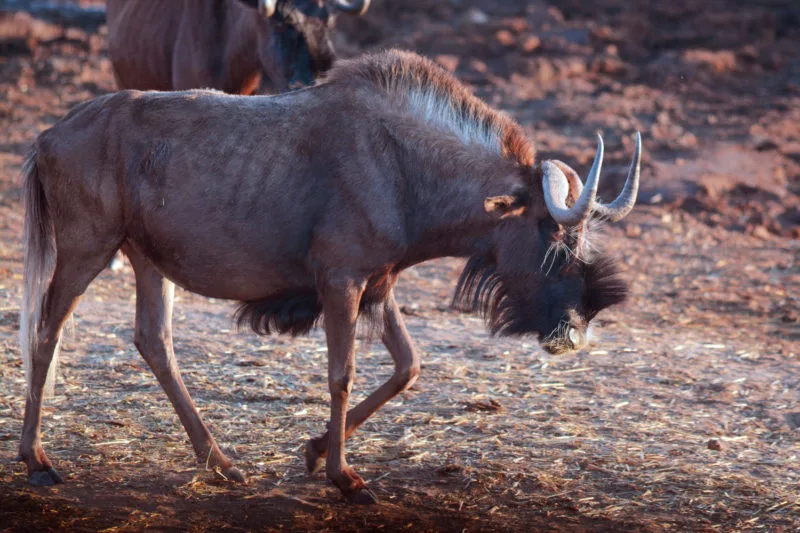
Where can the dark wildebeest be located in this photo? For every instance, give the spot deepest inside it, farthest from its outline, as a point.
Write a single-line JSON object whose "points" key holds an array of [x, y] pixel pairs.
{"points": [[222, 44], [236, 197]]}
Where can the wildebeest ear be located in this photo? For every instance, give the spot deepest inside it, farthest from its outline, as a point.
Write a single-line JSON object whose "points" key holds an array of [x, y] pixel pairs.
{"points": [[505, 206]]}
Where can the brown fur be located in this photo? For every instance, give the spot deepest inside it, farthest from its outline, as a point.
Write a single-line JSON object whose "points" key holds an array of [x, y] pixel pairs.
{"points": [[235, 198]]}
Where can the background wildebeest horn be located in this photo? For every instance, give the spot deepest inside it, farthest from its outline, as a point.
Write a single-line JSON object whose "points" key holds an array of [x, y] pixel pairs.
{"points": [[356, 7], [556, 187], [267, 7]]}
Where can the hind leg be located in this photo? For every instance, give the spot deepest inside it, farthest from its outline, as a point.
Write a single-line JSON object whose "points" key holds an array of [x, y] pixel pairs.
{"points": [[153, 339], [70, 279]]}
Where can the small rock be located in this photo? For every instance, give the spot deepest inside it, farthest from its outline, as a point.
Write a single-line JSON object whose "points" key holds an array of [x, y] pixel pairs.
{"points": [[476, 16], [478, 66], [556, 14], [719, 61], [633, 231], [790, 317], [490, 406], [762, 144], [608, 64], [605, 34], [505, 37], [531, 44], [449, 469], [410, 310], [762, 233], [251, 362], [793, 419], [519, 24], [749, 52], [714, 444]]}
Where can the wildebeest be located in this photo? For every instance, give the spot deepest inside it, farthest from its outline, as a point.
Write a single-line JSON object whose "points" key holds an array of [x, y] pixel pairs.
{"points": [[222, 44], [236, 198]]}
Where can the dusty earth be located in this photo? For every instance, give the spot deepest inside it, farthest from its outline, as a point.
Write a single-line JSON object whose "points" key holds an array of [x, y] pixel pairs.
{"points": [[683, 415]]}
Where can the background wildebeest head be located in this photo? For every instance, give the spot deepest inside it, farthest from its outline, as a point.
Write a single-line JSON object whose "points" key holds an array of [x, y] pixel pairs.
{"points": [[542, 275], [294, 43]]}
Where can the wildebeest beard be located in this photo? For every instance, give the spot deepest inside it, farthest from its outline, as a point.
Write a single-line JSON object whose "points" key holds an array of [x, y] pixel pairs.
{"points": [[481, 289]]}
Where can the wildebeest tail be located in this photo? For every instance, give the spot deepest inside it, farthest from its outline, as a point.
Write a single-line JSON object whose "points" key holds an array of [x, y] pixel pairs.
{"points": [[39, 265]]}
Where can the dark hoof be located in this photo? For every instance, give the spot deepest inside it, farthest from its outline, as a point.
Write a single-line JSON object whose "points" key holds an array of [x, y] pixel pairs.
{"points": [[315, 461], [45, 478], [234, 474], [361, 497]]}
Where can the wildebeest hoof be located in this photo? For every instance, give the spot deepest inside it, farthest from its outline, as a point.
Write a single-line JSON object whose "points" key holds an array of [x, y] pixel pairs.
{"points": [[234, 474], [315, 461], [362, 496], [45, 478]]}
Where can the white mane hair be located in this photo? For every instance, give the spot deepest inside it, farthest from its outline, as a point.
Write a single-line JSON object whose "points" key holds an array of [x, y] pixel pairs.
{"points": [[437, 98]]}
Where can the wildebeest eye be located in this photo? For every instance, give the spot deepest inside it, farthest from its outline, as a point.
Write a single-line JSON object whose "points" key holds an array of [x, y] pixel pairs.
{"points": [[548, 225]]}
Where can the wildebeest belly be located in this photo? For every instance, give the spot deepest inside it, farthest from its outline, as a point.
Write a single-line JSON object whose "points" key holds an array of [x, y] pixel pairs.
{"points": [[222, 272], [245, 247]]}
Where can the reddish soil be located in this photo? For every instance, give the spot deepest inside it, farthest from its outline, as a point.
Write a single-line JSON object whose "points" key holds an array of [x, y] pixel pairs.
{"points": [[683, 415]]}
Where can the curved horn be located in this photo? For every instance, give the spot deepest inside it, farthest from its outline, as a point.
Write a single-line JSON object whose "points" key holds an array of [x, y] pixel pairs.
{"points": [[266, 8], [620, 207], [556, 188], [354, 7]]}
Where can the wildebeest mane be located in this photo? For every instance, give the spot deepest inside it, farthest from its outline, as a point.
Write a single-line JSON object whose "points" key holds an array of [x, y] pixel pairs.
{"points": [[480, 289], [298, 312], [437, 97], [604, 285]]}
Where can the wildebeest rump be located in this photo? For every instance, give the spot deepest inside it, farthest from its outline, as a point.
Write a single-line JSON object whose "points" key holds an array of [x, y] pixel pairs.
{"points": [[222, 44], [237, 198]]}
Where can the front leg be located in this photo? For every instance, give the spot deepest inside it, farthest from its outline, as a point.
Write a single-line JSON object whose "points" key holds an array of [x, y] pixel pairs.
{"points": [[340, 301], [406, 370]]}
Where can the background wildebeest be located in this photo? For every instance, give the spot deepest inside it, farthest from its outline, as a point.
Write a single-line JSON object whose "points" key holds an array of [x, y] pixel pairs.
{"points": [[222, 44], [233, 198]]}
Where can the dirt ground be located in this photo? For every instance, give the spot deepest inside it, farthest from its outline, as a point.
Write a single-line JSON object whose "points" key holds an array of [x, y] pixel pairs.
{"points": [[683, 415]]}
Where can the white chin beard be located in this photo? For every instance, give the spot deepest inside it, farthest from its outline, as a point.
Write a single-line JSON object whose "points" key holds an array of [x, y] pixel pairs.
{"points": [[591, 335]]}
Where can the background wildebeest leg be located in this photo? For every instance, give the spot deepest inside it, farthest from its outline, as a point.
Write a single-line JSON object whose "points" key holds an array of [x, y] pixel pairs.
{"points": [[406, 371], [153, 339], [340, 301], [72, 275]]}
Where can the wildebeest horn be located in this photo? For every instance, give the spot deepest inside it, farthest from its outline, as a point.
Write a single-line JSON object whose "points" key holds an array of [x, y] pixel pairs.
{"points": [[556, 188], [620, 207], [267, 7], [355, 7]]}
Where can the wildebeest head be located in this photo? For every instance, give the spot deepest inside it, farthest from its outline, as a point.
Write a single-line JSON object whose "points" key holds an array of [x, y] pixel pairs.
{"points": [[294, 42], [542, 275]]}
